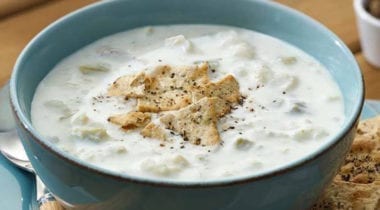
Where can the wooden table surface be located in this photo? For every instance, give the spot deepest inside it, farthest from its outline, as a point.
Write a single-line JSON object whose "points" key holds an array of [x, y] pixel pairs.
{"points": [[17, 28]]}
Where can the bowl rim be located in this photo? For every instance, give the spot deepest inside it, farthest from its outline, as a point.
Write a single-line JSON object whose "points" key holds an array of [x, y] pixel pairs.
{"points": [[26, 124]]}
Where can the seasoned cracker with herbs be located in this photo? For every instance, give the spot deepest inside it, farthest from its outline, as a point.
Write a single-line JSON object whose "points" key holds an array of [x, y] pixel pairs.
{"points": [[357, 184], [193, 101]]}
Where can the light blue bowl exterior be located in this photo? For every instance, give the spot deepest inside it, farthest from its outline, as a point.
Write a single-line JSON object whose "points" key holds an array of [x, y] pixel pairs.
{"points": [[295, 186]]}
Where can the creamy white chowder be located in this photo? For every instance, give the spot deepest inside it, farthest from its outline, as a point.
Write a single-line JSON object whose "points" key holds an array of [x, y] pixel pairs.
{"points": [[291, 104]]}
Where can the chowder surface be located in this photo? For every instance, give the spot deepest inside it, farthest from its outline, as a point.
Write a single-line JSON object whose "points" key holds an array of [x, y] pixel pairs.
{"points": [[291, 107]]}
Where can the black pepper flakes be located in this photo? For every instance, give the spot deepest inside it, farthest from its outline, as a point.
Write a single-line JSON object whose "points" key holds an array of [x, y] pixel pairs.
{"points": [[345, 177]]}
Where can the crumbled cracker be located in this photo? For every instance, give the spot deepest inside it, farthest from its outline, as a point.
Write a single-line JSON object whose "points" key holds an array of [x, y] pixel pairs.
{"points": [[129, 86], [163, 101], [153, 131], [171, 87], [131, 120], [226, 89], [182, 76], [198, 101], [196, 123], [221, 106]]}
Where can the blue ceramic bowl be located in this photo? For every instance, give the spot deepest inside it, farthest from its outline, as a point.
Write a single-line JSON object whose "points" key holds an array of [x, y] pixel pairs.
{"points": [[294, 186]]}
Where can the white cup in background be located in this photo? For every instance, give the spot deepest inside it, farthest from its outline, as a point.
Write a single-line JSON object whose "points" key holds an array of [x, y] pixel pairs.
{"points": [[369, 32]]}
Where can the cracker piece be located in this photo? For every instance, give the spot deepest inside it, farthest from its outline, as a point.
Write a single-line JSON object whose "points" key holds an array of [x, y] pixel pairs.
{"points": [[357, 185], [347, 195], [129, 86], [163, 101], [196, 123], [226, 89], [369, 128], [222, 107], [362, 164], [180, 77], [170, 88], [131, 120], [154, 131]]}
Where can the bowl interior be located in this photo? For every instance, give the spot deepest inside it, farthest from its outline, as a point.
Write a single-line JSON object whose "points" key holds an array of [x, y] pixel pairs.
{"points": [[81, 28]]}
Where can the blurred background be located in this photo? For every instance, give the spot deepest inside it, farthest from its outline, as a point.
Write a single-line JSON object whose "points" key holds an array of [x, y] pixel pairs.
{"points": [[20, 20]]}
